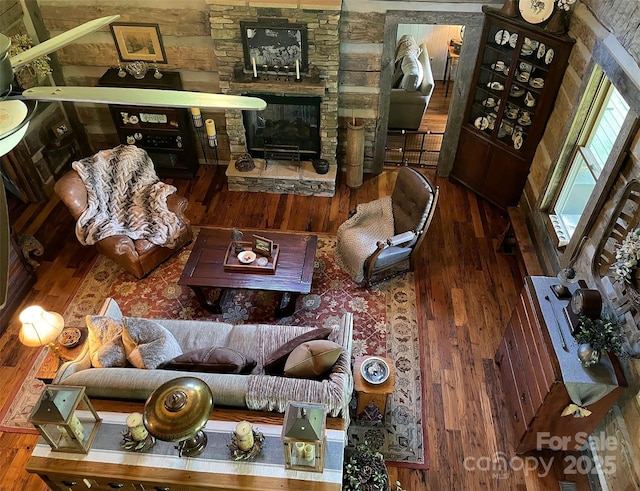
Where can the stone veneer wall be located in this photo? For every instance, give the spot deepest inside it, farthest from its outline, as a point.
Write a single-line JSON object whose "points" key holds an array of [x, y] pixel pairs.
{"points": [[321, 18]]}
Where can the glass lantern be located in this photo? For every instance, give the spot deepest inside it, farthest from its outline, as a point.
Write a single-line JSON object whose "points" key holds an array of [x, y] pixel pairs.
{"points": [[304, 436], [66, 419]]}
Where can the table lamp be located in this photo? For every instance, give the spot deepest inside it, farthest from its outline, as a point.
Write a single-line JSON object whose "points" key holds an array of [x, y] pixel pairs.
{"points": [[40, 328], [177, 411]]}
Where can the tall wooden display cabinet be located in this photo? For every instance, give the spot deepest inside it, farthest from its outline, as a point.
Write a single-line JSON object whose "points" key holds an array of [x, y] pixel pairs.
{"points": [[516, 79]]}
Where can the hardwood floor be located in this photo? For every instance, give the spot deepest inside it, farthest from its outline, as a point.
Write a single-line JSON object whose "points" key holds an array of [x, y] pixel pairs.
{"points": [[465, 294]]}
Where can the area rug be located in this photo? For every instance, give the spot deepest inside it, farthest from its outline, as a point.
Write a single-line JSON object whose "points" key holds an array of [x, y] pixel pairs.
{"points": [[385, 324]]}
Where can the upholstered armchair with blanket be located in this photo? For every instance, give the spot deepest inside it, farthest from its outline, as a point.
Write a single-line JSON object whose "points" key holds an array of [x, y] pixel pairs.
{"points": [[383, 236], [123, 209], [412, 88]]}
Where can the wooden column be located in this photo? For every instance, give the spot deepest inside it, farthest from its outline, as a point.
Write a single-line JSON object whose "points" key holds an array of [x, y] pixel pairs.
{"points": [[355, 154]]}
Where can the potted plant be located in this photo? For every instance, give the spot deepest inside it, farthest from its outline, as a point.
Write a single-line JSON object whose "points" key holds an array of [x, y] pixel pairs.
{"points": [[625, 268], [365, 470], [598, 335]]}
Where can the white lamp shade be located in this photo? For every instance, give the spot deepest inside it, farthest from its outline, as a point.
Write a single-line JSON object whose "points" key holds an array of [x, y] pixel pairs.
{"points": [[39, 327]]}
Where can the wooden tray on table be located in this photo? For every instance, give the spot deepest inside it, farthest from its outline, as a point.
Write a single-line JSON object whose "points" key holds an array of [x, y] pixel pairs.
{"points": [[232, 263]]}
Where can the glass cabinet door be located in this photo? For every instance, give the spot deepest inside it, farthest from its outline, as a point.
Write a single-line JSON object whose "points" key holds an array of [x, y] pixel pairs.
{"points": [[511, 78]]}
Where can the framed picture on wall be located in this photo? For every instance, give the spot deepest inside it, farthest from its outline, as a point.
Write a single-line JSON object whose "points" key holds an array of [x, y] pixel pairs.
{"points": [[138, 42], [274, 43]]}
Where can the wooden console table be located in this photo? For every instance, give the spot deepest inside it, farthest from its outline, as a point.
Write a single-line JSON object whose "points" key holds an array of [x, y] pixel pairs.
{"points": [[107, 466], [539, 368]]}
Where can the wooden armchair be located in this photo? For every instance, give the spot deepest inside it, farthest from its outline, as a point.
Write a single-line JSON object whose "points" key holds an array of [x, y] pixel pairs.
{"points": [[413, 203]]}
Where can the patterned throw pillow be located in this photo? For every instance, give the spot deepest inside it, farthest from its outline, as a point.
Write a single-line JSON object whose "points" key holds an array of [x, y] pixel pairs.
{"points": [[105, 342], [147, 343]]}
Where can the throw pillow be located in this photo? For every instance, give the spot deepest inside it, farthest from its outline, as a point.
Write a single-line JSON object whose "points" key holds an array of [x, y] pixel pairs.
{"points": [[147, 343], [212, 360], [105, 342], [407, 45], [276, 360], [312, 359], [413, 73]]}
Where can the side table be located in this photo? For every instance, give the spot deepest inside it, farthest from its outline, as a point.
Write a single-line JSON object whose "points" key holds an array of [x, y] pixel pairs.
{"points": [[372, 399], [51, 363]]}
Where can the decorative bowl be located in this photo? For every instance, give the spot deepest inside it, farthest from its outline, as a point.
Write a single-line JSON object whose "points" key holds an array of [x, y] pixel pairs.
{"points": [[375, 370], [247, 257]]}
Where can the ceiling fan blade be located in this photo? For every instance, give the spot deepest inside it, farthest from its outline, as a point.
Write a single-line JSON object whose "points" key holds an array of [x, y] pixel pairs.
{"points": [[59, 41], [145, 97]]}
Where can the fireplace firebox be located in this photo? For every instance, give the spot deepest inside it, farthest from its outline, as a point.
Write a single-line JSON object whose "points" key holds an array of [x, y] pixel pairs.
{"points": [[289, 128]]}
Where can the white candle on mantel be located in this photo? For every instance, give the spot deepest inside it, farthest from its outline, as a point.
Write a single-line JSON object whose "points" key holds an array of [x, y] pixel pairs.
{"points": [[244, 435], [210, 125], [297, 70], [136, 427], [253, 64], [299, 446], [195, 111]]}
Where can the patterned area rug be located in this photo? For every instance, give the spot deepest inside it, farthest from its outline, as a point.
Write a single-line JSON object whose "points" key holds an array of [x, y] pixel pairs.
{"points": [[385, 324]]}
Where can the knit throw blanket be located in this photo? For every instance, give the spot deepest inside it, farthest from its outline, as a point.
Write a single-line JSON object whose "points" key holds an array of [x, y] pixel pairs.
{"points": [[125, 197], [359, 235]]}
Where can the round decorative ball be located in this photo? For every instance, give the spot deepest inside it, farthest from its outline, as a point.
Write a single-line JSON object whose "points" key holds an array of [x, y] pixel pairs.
{"points": [[245, 163]]}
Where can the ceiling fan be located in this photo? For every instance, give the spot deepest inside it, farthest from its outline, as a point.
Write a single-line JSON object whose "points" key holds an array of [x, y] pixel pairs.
{"points": [[15, 114]]}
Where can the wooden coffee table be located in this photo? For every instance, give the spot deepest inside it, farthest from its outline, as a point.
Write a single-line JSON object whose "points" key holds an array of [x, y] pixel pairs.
{"points": [[293, 273]]}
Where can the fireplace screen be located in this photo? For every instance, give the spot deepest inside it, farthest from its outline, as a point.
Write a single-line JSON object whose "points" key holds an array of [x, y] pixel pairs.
{"points": [[288, 128]]}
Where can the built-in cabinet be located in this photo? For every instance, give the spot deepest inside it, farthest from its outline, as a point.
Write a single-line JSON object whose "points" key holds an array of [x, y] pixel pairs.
{"points": [[515, 83], [539, 367], [165, 133]]}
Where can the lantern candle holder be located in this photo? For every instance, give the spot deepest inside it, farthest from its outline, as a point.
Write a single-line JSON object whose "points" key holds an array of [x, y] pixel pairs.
{"points": [[66, 419], [304, 436]]}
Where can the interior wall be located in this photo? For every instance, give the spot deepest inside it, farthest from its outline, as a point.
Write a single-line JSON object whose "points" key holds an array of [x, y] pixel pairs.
{"points": [[591, 23]]}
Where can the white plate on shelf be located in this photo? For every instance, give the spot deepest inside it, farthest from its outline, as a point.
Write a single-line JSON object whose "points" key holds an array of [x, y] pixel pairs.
{"points": [[516, 91], [524, 122], [537, 83], [489, 102], [541, 51], [530, 44], [502, 36], [549, 56], [481, 123], [513, 40], [495, 86], [517, 142]]}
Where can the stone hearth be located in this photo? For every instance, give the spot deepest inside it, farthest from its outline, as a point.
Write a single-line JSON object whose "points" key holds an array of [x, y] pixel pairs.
{"points": [[323, 55], [283, 177]]}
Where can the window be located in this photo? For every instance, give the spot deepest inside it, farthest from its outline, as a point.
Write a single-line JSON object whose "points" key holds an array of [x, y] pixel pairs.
{"points": [[604, 119]]}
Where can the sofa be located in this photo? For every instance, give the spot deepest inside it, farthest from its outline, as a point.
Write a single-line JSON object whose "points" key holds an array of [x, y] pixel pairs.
{"points": [[254, 390], [410, 92]]}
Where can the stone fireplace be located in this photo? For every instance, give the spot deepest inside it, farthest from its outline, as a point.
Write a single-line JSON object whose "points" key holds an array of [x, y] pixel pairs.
{"points": [[319, 84]]}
